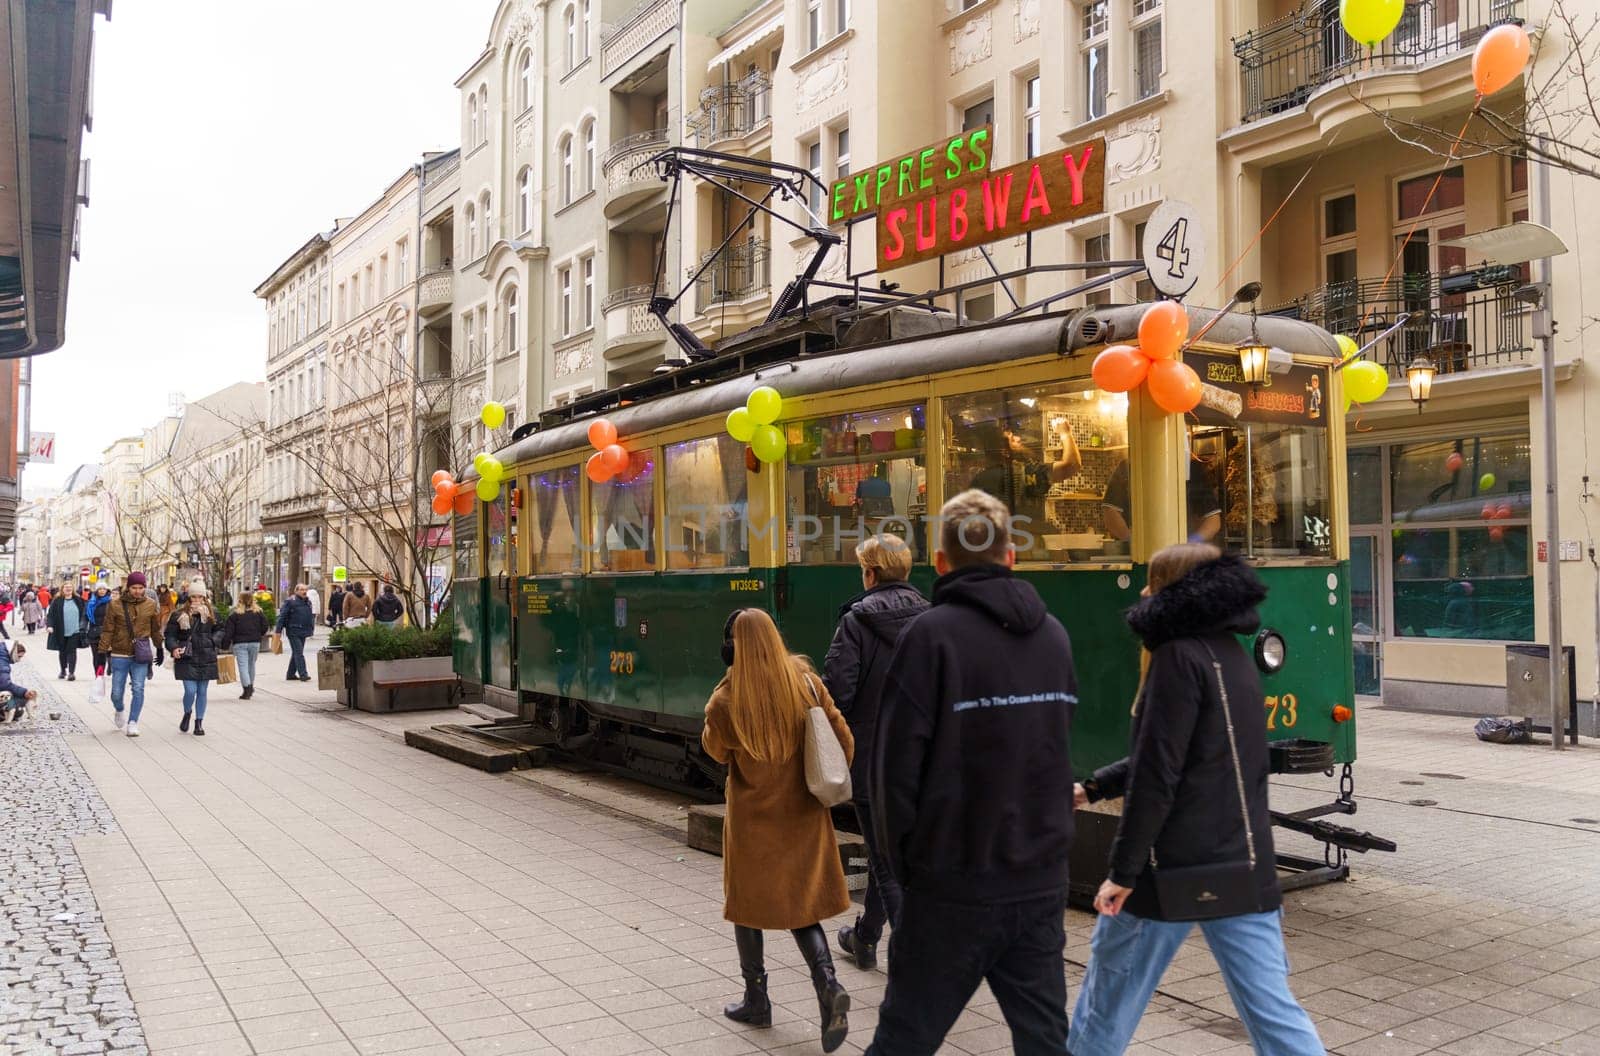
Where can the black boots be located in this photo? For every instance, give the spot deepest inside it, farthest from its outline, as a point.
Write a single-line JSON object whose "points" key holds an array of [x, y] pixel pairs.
{"points": [[865, 954], [248, 691], [183, 727], [199, 728], [833, 1003], [756, 1008]]}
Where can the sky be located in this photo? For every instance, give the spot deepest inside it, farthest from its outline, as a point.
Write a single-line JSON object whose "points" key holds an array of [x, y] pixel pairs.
{"points": [[225, 135]]}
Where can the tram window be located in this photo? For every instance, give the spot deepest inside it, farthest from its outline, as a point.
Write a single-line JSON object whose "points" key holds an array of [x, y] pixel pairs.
{"points": [[623, 517], [464, 536], [496, 541], [1053, 455], [556, 545], [1259, 482], [855, 475], [707, 493]]}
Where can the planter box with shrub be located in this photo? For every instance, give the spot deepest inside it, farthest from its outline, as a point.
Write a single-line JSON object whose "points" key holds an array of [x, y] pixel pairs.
{"points": [[403, 669]]}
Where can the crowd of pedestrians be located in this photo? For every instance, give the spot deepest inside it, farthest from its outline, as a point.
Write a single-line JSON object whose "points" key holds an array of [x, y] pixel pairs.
{"points": [[954, 714]]}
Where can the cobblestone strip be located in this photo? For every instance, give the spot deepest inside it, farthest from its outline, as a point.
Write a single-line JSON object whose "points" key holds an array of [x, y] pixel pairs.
{"points": [[64, 992]]}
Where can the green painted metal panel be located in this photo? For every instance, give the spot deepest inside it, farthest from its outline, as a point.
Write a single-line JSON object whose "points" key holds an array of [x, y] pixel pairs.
{"points": [[549, 638], [1310, 607], [470, 645], [497, 616]]}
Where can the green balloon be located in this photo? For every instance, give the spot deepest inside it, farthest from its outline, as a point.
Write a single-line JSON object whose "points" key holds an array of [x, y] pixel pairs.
{"points": [[740, 425], [765, 405], [1486, 482], [768, 443], [488, 490]]}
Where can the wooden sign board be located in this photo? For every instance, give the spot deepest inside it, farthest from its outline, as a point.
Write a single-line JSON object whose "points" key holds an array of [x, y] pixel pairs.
{"points": [[983, 207], [920, 172]]}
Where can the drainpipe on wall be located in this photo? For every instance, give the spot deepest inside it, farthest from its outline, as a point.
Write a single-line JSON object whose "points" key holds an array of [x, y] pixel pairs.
{"points": [[1547, 372]]}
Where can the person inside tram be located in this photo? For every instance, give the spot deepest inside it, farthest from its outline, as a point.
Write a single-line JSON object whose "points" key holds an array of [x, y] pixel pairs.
{"points": [[1201, 499], [1018, 472]]}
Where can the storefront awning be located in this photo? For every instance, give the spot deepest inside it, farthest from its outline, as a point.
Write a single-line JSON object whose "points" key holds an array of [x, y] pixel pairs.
{"points": [[766, 29]]}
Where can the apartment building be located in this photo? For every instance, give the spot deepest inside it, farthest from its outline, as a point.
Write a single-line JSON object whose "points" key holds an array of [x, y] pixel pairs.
{"points": [[216, 491], [32, 551], [298, 300]]}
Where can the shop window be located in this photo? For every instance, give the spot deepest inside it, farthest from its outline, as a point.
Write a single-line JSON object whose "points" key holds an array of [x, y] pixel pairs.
{"points": [[557, 545], [1258, 479], [707, 493], [855, 475], [464, 535], [497, 538], [1366, 485], [1056, 456], [623, 518]]}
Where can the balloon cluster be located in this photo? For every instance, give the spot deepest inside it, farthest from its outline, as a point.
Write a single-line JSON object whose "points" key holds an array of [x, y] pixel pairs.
{"points": [[490, 473], [1501, 54], [1173, 384], [1364, 380], [610, 457], [448, 495], [752, 424]]}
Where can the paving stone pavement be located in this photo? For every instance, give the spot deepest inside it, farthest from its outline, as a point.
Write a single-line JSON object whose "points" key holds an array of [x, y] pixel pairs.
{"points": [[300, 882], [63, 988]]}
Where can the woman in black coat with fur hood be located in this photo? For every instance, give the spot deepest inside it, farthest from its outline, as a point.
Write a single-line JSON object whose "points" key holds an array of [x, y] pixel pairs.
{"points": [[1195, 840]]}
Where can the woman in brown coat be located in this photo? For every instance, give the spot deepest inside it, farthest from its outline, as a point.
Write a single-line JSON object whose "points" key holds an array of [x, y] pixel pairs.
{"points": [[780, 864]]}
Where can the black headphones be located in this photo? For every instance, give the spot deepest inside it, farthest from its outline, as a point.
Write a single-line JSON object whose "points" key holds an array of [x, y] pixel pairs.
{"points": [[727, 638]]}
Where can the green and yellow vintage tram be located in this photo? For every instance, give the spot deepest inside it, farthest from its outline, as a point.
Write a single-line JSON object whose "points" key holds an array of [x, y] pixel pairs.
{"points": [[594, 611]]}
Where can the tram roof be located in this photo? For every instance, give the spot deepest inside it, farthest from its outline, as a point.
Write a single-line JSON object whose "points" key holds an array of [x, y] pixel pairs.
{"points": [[848, 366]]}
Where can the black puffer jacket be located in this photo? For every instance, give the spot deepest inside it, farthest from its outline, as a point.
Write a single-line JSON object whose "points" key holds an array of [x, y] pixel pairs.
{"points": [[1181, 795], [199, 642], [869, 626]]}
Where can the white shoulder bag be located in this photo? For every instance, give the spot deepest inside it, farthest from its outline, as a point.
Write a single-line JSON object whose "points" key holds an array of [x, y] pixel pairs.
{"points": [[827, 770]]}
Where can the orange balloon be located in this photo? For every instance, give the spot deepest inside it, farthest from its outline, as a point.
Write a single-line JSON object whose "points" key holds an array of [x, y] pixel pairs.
{"points": [[596, 468], [602, 434], [1502, 53], [1162, 329], [637, 464], [1174, 386], [447, 488], [443, 504], [1120, 368], [463, 503], [614, 457], [440, 476]]}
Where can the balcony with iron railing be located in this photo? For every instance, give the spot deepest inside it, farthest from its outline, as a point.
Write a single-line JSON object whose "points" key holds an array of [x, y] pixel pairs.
{"points": [[625, 176], [730, 114], [629, 324], [1283, 64], [737, 274], [1462, 322]]}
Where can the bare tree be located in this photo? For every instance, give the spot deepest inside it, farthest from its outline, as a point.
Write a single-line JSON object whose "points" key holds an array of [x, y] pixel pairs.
{"points": [[132, 538], [211, 504]]}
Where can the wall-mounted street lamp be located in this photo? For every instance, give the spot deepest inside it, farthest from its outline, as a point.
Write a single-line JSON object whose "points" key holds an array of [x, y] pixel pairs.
{"points": [[1419, 378]]}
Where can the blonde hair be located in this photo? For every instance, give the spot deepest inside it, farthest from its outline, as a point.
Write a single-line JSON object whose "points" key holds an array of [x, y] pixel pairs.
{"points": [[889, 556], [1167, 566], [974, 528], [766, 686], [248, 603]]}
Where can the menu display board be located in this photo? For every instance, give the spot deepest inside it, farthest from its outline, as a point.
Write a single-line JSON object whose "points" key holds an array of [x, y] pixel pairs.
{"points": [[1299, 396]]}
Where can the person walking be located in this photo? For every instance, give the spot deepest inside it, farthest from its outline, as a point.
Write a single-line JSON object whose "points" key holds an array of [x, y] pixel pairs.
{"points": [[191, 640], [133, 626], [32, 611], [388, 609], [315, 599], [357, 607], [972, 796], [336, 606], [68, 621], [295, 620], [780, 864], [96, 609], [1194, 843], [869, 626], [242, 633]]}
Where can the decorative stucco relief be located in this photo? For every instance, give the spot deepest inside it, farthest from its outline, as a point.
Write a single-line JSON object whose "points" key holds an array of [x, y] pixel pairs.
{"points": [[823, 81], [972, 42], [1133, 148], [1025, 18], [524, 24]]}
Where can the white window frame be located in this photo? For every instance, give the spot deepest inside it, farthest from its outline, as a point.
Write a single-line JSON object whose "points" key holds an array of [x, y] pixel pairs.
{"points": [[815, 37], [586, 267], [564, 300], [1146, 13], [1094, 34], [508, 309], [841, 152], [472, 120], [565, 162], [525, 80], [569, 26], [586, 25], [587, 128], [525, 199], [812, 151], [471, 225], [1032, 124]]}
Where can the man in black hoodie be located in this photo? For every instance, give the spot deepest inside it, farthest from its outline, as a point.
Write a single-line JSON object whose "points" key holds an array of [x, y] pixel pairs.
{"points": [[972, 796]]}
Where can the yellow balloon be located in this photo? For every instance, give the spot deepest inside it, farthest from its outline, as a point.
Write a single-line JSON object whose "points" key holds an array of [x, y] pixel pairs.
{"points": [[478, 461], [488, 490], [765, 405], [740, 425], [1369, 21], [1365, 381], [1347, 345], [493, 415], [493, 469], [768, 443]]}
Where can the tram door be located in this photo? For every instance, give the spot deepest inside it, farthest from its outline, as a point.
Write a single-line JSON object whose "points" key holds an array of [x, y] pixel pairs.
{"points": [[499, 587], [1366, 609]]}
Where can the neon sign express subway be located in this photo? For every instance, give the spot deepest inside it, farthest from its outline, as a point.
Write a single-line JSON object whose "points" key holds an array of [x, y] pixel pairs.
{"points": [[909, 175]]}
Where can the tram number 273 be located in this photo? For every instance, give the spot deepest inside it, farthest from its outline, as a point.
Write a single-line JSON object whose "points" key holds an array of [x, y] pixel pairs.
{"points": [[621, 663], [1282, 711]]}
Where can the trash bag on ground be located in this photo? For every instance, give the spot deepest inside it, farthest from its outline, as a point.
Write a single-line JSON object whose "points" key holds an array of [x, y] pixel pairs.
{"points": [[1504, 730]]}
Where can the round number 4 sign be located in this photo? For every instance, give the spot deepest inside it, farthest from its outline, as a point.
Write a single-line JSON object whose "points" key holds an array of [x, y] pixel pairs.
{"points": [[1174, 248]]}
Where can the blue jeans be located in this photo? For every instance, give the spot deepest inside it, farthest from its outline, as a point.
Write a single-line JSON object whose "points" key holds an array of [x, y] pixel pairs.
{"points": [[122, 668], [882, 900], [1129, 954], [245, 653], [194, 697], [297, 657], [940, 951]]}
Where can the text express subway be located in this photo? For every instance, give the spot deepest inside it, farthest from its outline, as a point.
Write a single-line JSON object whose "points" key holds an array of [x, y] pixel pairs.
{"points": [[1054, 188]]}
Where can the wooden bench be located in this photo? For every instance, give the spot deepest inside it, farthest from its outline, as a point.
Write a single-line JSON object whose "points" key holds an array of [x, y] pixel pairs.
{"points": [[390, 685]]}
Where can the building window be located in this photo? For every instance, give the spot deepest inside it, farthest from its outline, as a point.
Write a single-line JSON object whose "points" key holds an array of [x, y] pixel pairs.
{"points": [[1144, 290], [472, 120], [1146, 29], [841, 14], [472, 232], [1095, 48], [524, 200], [978, 114], [525, 81], [814, 163], [383, 276], [569, 21], [565, 151], [484, 206], [367, 297], [586, 22], [402, 264], [588, 293], [813, 24], [509, 312], [469, 333], [1097, 248], [564, 308], [587, 129], [841, 154], [1030, 117]]}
